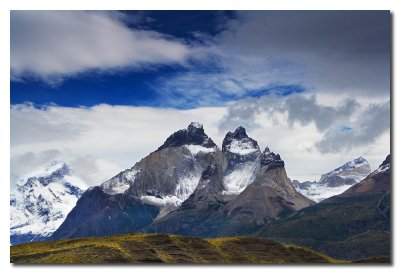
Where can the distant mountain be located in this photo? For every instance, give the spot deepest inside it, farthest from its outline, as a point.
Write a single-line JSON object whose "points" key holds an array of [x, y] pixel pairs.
{"points": [[336, 181], [352, 225], [189, 186], [40, 202]]}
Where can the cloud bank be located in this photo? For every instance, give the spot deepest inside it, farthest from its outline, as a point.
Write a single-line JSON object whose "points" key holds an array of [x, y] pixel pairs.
{"points": [[108, 139]]}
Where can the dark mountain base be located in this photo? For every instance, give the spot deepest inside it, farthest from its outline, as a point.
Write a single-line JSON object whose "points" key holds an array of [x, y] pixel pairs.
{"points": [[158, 248], [349, 227]]}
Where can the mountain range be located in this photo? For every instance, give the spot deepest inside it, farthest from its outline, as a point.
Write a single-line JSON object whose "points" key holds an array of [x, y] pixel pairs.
{"points": [[352, 225], [187, 181], [189, 186]]}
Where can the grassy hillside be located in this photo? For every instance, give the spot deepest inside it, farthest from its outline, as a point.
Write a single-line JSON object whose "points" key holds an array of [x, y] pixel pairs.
{"points": [[344, 227], [157, 248]]}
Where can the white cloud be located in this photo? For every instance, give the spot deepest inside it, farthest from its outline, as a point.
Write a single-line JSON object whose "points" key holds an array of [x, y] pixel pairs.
{"points": [[113, 138], [52, 45]]}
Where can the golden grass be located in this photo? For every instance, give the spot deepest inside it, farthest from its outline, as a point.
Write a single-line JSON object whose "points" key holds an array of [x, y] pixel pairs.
{"points": [[156, 248]]}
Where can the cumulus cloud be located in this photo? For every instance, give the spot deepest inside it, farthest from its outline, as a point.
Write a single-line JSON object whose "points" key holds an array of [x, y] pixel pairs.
{"points": [[52, 45], [305, 110], [341, 127], [370, 125]]}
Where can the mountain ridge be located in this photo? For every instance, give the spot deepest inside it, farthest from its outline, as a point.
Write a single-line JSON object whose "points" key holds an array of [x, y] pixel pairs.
{"points": [[189, 172]]}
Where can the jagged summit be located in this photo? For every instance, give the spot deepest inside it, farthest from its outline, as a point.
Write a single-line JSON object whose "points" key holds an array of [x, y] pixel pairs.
{"points": [[239, 142], [385, 163], [271, 160], [193, 135]]}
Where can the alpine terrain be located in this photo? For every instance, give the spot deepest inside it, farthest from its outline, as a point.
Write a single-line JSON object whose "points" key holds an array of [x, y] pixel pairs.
{"points": [[41, 201], [336, 181], [353, 225], [190, 186]]}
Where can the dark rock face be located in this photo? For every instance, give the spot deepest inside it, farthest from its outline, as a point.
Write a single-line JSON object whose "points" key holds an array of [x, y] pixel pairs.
{"points": [[194, 135], [271, 161], [386, 162], [208, 212], [239, 135], [99, 214]]}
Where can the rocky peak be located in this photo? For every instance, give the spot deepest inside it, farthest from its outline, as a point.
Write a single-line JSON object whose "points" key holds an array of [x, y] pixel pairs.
{"points": [[349, 173], [193, 135], [271, 160], [386, 162], [239, 142], [385, 165]]}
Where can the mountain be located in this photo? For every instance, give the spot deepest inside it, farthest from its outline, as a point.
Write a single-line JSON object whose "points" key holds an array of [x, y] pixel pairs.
{"points": [[40, 202], [162, 248], [336, 181], [353, 225], [153, 187], [189, 186]]}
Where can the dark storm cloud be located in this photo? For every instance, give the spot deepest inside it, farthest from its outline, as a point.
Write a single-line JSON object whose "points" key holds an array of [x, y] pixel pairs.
{"points": [[306, 110], [299, 109], [346, 52]]}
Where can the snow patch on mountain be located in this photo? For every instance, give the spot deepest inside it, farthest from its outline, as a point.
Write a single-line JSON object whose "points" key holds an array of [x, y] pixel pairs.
{"points": [[195, 149], [187, 184], [241, 147], [120, 183], [238, 179], [169, 200]]}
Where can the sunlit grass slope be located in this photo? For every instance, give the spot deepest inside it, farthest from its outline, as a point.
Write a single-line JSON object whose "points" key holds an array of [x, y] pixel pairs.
{"points": [[160, 248]]}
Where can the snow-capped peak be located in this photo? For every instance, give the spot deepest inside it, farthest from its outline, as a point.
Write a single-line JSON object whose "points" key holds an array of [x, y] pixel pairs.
{"points": [[356, 169], [357, 162], [239, 143], [193, 135], [196, 125], [39, 204], [271, 160]]}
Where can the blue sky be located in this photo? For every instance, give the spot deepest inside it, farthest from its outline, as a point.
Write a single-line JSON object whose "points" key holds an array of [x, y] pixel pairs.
{"points": [[126, 86], [198, 58]]}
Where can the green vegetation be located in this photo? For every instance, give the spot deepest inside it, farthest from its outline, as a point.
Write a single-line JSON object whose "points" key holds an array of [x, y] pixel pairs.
{"points": [[160, 248]]}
